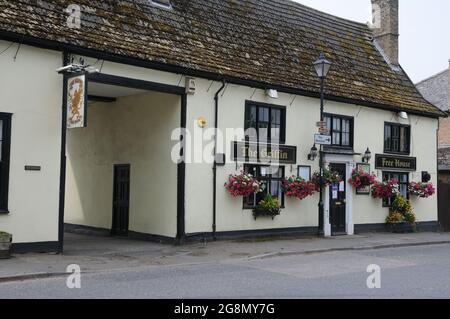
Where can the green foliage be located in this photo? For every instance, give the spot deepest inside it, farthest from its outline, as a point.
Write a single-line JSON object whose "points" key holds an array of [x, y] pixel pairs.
{"points": [[401, 205], [269, 203], [401, 212]]}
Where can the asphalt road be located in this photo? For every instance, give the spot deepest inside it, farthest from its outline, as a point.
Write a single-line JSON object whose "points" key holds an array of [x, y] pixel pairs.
{"points": [[413, 272]]}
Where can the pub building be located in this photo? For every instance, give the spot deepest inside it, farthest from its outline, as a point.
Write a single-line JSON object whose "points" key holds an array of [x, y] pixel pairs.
{"points": [[91, 97]]}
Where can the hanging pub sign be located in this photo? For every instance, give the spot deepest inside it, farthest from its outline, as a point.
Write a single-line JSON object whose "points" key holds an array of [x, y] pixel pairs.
{"points": [[390, 162], [76, 101], [264, 153]]}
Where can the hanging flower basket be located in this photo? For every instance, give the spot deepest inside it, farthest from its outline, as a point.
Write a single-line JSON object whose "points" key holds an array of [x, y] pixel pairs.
{"points": [[242, 185], [421, 190], [361, 179], [385, 190], [297, 187], [328, 178]]}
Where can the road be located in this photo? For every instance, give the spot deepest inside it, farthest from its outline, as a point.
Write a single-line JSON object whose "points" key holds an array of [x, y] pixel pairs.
{"points": [[412, 272]]}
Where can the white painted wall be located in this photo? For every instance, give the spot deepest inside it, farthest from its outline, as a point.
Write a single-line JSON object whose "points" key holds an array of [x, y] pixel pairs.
{"points": [[32, 90], [34, 96], [134, 130], [302, 114]]}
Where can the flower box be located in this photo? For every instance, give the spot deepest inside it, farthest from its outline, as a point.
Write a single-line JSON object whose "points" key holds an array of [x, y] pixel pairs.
{"points": [[262, 212], [401, 228], [5, 245]]}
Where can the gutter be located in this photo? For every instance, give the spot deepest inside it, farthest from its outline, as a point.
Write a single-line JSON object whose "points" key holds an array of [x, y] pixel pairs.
{"points": [[58, 46], [216, 125]]}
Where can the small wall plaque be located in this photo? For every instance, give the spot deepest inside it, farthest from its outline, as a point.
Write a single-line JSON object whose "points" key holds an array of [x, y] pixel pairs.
{"points": [[33, 168]]}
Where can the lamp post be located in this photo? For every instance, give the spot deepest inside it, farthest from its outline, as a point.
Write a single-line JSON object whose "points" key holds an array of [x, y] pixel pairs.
{"points": [[322, 66]]}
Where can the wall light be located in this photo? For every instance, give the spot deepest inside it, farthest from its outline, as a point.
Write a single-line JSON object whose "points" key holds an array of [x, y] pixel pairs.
{"points": [[403, 115], [272, 93], [313, 154], [367, 156]]}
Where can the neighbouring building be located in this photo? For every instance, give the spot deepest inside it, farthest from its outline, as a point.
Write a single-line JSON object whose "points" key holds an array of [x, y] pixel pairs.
{"points": [[436, 89], [198, 65]]}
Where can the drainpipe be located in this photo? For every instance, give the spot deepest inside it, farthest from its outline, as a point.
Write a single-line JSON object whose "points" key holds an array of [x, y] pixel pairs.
{"points": [[216, 124]]}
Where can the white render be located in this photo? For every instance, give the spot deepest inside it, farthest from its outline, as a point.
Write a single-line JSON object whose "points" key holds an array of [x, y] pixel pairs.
{"points": [[31, 90], [36, 133], [125, 132]]}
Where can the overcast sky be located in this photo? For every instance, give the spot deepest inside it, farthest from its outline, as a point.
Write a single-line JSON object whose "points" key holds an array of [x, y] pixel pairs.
{"points": [[424, 31]]}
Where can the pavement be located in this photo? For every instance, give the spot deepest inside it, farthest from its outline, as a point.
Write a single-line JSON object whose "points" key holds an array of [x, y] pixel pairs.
{"points": [[97, 255]]}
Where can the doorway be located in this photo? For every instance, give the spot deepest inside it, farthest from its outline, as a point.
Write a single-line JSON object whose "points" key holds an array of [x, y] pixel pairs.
{"points": [[338, 204], [121, 200]]}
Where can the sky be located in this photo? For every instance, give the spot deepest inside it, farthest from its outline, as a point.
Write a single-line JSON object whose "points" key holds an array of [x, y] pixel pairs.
{"points": [[424, 31]]}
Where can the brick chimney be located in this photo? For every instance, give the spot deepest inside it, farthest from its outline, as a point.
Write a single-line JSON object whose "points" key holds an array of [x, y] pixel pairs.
{"points": [[385, 27]]}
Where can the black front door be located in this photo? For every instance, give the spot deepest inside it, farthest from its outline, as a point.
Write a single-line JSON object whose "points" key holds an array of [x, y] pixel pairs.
{"points": [[338, 201], [121, 200]]}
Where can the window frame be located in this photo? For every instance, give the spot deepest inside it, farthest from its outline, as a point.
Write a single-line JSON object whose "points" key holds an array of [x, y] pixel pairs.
{"points": [[386, 203], [307, 167], [352, 127], [280, 179], [258, 105], [400, 126], [5, 162]]}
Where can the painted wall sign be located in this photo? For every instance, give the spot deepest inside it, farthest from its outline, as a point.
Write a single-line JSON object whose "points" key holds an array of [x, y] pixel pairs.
{"points": [[264, 153], [77, 101], [320, 139], [391, 162]]}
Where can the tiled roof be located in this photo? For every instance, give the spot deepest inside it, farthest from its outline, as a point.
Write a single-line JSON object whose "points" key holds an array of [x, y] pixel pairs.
{"points": [[436, 90], [273, 42]]}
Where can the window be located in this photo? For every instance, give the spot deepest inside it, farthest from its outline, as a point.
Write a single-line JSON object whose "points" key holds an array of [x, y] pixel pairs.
{"points": [[403, 181], [341, 130], [5, 140], [271, 179], [265, 123], [304, 172], [397, 138]]}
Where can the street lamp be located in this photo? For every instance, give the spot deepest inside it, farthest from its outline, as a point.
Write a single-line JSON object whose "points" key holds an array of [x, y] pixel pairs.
{"points": [[322, 66]]}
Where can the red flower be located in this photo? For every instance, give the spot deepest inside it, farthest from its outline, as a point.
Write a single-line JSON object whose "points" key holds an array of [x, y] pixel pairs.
{"points": [[298, 188], [242, 185], [361, 179]]}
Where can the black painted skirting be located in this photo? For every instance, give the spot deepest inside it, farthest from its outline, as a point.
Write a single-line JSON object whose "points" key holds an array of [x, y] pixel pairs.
{"points": [[103, 232], [253, 234], [382, 228], [38, 247], [245, 234]]}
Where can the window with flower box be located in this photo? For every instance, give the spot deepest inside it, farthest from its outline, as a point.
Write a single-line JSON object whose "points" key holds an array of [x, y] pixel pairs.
{"points": [[271, 178], [403, 182]]}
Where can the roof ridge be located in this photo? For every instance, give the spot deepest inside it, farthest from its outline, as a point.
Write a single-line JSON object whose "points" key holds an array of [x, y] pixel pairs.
{"points": [[431, 77], [325, 14]]}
